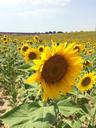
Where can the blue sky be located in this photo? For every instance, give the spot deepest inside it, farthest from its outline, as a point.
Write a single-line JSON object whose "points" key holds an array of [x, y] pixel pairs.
{"points": [[47, 15]]}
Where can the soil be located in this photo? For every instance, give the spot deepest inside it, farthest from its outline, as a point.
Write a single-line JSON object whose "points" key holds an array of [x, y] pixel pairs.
{"points": [[5, 105]]}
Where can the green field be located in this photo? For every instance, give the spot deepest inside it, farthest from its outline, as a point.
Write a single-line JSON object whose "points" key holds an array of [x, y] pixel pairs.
{"points": [[48, 80]]}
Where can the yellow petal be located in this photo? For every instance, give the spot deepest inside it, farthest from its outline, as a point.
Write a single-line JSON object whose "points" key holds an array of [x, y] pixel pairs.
{"points": [[31, 79]]}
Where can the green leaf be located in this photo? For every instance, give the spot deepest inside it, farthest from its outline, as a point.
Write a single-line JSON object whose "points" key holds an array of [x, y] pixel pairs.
{"points": [[67, 107], [85, 108], [68, 123], [77, 124], [24, 66], [67, 111], [30, 115], [67, 102], [71, 124], [64, 102], [90, 126]]}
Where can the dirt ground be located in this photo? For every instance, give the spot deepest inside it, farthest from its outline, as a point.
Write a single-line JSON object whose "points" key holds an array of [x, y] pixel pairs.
{"points": [[4, 104]]}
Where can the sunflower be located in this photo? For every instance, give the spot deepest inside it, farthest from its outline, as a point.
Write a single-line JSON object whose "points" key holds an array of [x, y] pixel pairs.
{"points": [[31, 54], [40, 40], [5, 39], [36, 38], [87, 82], [87, 63], [5, 42], [78, 47], [24, 48], [41, 48], [90, 52], [19, 49], [56, 70]]}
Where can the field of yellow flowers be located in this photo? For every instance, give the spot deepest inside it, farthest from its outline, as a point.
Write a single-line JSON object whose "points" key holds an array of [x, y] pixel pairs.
{"points": [[48, 80]]}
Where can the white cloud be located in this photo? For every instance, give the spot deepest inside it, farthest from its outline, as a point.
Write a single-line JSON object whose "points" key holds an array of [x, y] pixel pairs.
{"points": [[21, 14], [36, 3], [47, 3], [9, 2], [32, 7]]}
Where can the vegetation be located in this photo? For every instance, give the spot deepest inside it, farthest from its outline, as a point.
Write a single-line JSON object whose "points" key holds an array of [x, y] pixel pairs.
{"points": [[48, 80]]}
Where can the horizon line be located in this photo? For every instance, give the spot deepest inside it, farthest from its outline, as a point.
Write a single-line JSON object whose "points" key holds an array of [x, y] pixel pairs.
{"points": [[54, 32]]}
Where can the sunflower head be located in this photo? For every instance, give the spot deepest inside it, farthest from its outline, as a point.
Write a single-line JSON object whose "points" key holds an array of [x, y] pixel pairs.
{"points": [[54, 65], [5, 42], [5, 39], [31, 54], [78, 47], [87, 82], [87, 63], [24, 48], [40, 40], [56, 70], [36, 38], [19, 49], [90, 52], [5, 36], [41, 48]]}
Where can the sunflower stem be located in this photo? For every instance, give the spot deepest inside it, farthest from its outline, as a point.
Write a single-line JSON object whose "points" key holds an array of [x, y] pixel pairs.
{"points": [[56, 109]]}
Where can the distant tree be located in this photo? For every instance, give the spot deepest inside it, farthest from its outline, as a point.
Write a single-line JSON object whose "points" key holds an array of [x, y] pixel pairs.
{"points": [[54, 32], [50, 32], [59, 32]]}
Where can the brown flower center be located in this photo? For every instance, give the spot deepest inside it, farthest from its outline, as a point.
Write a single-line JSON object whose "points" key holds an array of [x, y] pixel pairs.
{"points": [[25, 48], [19, 49], [40, 40], [54, 69], [5, 42], [41, 49], [77, 48], [36, 38], [86, 81], [86, 63], [4, 38], [32, 55]]}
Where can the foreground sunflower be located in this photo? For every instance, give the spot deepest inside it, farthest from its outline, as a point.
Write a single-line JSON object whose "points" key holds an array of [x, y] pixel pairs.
{"points": [[87, 81], [57, 70], [31, 54]]}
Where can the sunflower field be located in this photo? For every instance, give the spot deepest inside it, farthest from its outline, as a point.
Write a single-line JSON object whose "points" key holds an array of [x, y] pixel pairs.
{"points": [[48, 80]]}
